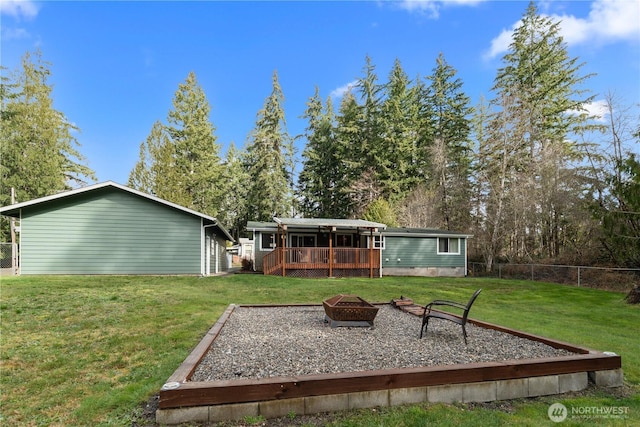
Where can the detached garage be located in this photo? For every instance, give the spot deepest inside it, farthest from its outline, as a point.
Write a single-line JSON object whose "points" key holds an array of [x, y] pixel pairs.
{"points": [[108, 228]]}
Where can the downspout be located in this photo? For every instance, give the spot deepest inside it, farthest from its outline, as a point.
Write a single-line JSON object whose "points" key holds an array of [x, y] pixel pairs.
{"points": [[18, 270], [253, 252], [466, 256], [371, 253], [380, 249]]}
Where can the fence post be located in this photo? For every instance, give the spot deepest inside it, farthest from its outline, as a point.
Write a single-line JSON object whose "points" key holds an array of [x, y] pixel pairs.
{"points": [[499, 271], [578, 275], [532, 272]]}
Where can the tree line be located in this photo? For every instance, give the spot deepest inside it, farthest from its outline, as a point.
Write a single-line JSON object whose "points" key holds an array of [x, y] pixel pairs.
{"points": [[529, 173]]}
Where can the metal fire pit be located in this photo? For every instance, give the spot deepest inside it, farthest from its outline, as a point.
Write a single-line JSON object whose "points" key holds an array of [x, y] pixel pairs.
{"points": [[349, 310]]}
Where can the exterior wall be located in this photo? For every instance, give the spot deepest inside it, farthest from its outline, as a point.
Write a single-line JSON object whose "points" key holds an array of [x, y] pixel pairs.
{"points": [[258, 252], [109, 232], [418, 256]]}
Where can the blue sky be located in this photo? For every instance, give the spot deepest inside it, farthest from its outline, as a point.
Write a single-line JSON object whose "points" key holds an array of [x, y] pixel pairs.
{"points": [[116, 65]]}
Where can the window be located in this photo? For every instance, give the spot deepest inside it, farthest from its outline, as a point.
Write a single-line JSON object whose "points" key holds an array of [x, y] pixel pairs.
{"points": [[344, 241], [378, 242], [303, 241], [448, 246], [267, 241]]}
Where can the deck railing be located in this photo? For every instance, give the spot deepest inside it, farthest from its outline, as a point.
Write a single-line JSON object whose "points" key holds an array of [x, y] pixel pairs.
{"points": [[320, 258]]}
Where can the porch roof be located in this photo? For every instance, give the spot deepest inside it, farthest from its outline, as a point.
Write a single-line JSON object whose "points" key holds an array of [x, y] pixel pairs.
{"points": [[316, 223]]}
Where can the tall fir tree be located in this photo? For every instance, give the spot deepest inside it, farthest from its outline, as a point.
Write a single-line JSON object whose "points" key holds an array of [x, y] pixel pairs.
{"points": [[370, 127], [398, 140], [447, 126], [180, 161], [233, 203], [270, 160], [349, 142], [196, 152], [543, 86], [142, 177], [322, 169], [40, 153]]}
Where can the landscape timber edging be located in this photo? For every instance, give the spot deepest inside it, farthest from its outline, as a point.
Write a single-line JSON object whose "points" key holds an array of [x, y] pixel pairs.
{"points": [[178, 395]]}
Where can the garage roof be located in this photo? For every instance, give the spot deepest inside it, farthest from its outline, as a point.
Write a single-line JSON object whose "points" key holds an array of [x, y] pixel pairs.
{"points": [[14, 210]]}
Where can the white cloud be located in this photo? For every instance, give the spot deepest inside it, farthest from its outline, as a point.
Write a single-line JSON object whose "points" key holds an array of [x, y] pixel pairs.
{"points": [[15, 34], [19, 8], [599, 110], [501, 43], [431, 8], [608, 21], [339, 92]]}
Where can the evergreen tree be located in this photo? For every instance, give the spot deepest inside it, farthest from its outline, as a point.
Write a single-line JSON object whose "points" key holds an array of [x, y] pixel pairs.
{"points": [[370, 148], [322, 170], [447, 126], [180, 162], [233, 207], [269, 160], [381, 211], [542, 83], [399, 123], [195, 150], [349, 140], [620, 214], [142, 175], [40, 153]]}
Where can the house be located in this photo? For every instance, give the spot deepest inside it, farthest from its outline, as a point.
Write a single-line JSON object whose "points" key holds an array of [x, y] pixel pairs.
{"points": [[424, 252], [305, 247], [109, 228]]}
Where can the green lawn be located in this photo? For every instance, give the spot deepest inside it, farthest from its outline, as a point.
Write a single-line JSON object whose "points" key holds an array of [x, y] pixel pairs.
{"points": [[88, 350]]}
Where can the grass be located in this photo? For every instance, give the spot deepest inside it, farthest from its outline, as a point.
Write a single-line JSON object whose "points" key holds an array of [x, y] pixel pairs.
{"points": [[88, 350]]}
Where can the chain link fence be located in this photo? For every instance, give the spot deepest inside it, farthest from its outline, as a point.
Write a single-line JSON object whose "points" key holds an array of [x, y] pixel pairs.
{"points": [[9, 259], [615, 279]]}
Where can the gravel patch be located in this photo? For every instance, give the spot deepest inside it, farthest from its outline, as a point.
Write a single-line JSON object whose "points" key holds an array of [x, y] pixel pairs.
{"points": [[259, 342]]}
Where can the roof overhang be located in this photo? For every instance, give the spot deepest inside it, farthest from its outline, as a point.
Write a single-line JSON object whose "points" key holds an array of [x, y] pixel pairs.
{"points": [[329, 224], [425, 232]]}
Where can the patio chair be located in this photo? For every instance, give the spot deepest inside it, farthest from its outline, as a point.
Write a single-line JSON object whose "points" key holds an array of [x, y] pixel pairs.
{"points": [[429, 314]]}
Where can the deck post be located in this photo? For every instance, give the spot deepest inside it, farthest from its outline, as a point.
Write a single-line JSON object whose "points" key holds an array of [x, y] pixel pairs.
{"points": [[283, 241], [371, 253], [331, 230]]}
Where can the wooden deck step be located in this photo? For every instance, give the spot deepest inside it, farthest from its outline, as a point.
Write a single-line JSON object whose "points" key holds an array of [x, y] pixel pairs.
{"points": [[408, 306]]}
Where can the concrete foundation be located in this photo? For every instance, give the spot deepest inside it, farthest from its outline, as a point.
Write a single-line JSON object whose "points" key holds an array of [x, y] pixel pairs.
{"points": [[424, 271]]}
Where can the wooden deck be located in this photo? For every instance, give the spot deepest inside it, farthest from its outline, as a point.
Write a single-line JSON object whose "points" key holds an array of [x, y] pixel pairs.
{"points": [[322, 262]]}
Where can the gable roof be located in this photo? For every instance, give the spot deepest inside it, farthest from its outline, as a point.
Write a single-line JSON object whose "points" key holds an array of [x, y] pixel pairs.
{"points": [[14, 210]]}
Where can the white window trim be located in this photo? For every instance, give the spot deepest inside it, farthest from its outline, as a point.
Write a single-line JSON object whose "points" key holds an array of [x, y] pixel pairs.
{"points": [[262, 233], [447, 253], [381, 242]]}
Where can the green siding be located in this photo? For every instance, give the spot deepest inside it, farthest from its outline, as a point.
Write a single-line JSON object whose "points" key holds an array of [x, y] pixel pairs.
{"points": [[109, 232], [419, 252]]}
